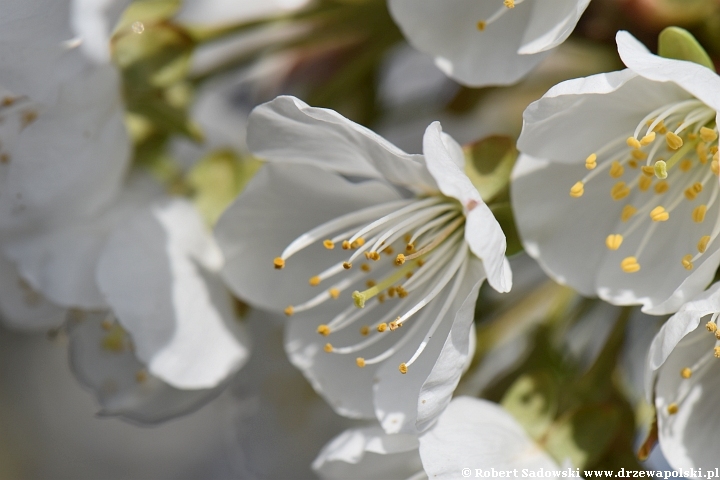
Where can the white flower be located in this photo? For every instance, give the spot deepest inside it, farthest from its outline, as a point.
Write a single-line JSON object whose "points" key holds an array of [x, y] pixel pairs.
{"points": [[488, 42], [637, 151], [682, 373], [352, 218], [480, 434]]}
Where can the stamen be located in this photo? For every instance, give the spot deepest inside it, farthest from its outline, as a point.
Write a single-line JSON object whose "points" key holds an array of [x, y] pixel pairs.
{"points": [[403, 367], [627, 212], [619, 191], [703, 243], [661, 187], [591, 162], [323, 330], [446, 232], [658, 214], [686, 373], [630, 265], [315, 281], [674, 141], [360, 362], [329, 244], [613, 242], [698, 215], [687, 262], [685, 165], [328, 348], [279, 263], [289, 311], [616, 170], [708, 135], [672, 409]]}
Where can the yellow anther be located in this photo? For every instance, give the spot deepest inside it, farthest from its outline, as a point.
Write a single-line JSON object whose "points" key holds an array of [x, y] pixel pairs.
{"points": [[381, 297], [323, 330], [648, 170], [347, 265], [364, 330], [708, 134], [388, 251], [672, 409], [370, 283], [360, 362], [315, 281], [329, 244], [509, 3], [686, 373], [661, 187], [407, 238], [334, 292], [141, 376], [279, 263], [403, 368], [692, 191], [382, 327], [698, 215], [577, 190], [644, 183], [328, 348], [365, 267], [346, 245], [374, 256], [702, 153], [647, 139], [632, 163], [358, 243], [711, 327], [619, 191], [481, 25], [685, 165], [660, 169], [633, 142], [410, 248], [673, 140], [691, 136], [627, 212], [703, 243], [289, 311], [716, 352], [409, 275], [660, 128], [638, 154], [616, 170], [420, 262], [402, 293], [659, 214], [687, 262], [394, 325], [400, 259], [591, 162], [613, 242], [717, 334], [630, 265], [715, 167], [391, 291]]}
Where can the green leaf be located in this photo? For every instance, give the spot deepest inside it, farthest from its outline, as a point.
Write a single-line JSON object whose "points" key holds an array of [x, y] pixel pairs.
{"points": [[217, 179], [582, 435], [488, 164], [679, 44], [504, 215], [533, 400]]}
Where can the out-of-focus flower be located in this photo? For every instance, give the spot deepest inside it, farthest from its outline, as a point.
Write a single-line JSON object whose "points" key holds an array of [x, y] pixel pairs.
{"points": [[334, 193], [476, 432], [637, 151], [488, 42], [682, 381]]}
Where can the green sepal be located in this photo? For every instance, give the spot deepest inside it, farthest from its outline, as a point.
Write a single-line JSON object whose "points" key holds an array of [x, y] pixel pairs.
{"points": [[533, 401], [679, 44], [488, 164]]}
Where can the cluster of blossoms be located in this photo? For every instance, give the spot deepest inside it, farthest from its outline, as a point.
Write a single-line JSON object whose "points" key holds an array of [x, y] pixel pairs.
{"points": [[376, 257]]}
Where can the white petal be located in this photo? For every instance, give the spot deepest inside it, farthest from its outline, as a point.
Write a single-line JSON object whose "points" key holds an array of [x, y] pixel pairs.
{"points": [[102, 359], [685, 437], [410, 403], [216, 13], [578, 117], [93, 22], [158, 272], [61, 262], [22, 307], [448, 31], [368, 453], [287, 130], [700, 81], [281, 203], [70, 162], [482, 232], [551, 23], [477, 433]]}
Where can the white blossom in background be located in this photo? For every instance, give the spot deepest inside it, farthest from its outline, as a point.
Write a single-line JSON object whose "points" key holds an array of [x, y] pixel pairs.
{"points": [[616, 191], [378, 256], [488, 42], [682, 372]]}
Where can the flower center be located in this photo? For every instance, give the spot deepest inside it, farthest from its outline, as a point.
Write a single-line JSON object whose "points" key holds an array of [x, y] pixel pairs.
{"points": [[507, 5], [659, 180], [694, 373], [430, 234]]}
